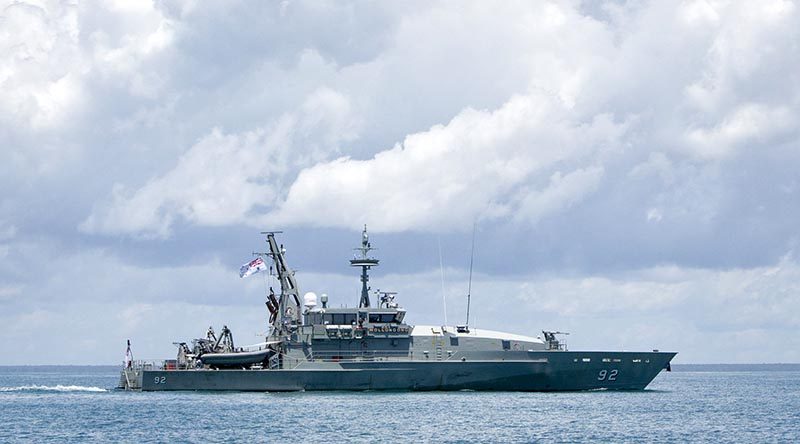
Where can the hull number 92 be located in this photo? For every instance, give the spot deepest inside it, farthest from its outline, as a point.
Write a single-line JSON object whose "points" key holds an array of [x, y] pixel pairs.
{"points": [[160, 380], [606, 375]]}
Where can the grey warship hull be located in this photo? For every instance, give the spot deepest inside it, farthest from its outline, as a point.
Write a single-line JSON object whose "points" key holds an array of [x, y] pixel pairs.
{"points": [[373, 348], [531, 371]]}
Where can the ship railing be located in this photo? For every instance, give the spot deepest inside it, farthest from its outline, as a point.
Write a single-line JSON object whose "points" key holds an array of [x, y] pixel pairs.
{"points": [[289, 361], [254, 347], [149, 364], [361, 355], [156, 364], [375, 355], [557, 345]]}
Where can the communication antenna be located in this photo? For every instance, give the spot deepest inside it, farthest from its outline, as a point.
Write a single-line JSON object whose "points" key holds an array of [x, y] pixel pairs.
{"points": [[471, 259], [366, 263], [441, 271]]}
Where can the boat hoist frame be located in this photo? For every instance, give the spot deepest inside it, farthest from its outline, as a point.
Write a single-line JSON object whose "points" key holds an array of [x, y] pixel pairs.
{"points": [[288, 317]]}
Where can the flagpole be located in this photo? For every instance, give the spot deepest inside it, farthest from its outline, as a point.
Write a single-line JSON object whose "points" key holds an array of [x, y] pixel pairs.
{"points": [[128, 355]]}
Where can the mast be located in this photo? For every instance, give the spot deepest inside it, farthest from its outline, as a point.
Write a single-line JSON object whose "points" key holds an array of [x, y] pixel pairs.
{"points": [[365, 262], [288, 316]]}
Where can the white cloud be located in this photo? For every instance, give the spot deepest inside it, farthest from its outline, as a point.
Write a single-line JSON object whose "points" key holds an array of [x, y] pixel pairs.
{"points": [[699, 12], [599, 98], [121, 55], [47, 61], [216, 182], [224, 178], [58, 61], [41, 63], [642, 134], [655, 215], [562, 192], [744, 124], [449, 175]]}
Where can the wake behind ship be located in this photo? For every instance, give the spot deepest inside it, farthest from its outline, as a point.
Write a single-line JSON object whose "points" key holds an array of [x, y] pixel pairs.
{"points": [[312, 347]]}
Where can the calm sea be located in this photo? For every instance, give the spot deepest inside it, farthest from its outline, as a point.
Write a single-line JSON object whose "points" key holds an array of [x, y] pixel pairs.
{"points": [[691, 404]]}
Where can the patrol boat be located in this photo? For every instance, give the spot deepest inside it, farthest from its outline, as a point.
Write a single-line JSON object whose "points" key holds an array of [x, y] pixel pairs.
{"points": [[368, 347]]}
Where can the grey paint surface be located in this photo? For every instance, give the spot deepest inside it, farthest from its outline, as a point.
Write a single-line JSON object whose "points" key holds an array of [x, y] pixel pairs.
{"points": [[541, 371]]}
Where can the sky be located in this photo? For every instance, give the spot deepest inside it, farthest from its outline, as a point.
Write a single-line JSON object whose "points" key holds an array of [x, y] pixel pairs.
{"points": [[631, 169]]}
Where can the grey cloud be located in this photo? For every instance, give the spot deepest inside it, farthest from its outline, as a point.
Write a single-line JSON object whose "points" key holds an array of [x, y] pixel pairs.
{"points": [[171, 132], [664, 307]]}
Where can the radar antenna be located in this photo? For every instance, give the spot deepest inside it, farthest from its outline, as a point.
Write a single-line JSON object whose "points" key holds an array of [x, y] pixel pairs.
{"points": [[365, 262]]}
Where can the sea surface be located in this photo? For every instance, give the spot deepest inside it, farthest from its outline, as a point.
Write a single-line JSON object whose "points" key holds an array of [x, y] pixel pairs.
{"points": [[724, 403]]}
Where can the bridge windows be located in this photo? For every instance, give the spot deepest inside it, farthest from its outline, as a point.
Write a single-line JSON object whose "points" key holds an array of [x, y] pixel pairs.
{"points": [[316, 318], [382, 318], [342, 318], [331, 318]]}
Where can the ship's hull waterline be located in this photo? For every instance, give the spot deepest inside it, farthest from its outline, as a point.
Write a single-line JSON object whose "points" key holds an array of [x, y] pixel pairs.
{"points": [[541, 371]]}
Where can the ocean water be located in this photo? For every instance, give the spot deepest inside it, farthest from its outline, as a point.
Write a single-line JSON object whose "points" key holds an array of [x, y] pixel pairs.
{"points": [[691, 404]]}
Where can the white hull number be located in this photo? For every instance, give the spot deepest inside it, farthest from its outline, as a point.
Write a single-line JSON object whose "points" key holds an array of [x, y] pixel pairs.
{"points": [[606, 375]]}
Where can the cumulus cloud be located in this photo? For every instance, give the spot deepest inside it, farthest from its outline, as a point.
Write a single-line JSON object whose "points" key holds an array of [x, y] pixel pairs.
{"points": [[60, 61], [450, 175], [746, 124], [224, 178], [646, 151], [216, 182], [591, 103], [41, 66], [51, 50]]}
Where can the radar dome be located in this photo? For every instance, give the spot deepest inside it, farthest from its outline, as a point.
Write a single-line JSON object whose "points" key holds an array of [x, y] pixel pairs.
{"points": [[310, 300]]}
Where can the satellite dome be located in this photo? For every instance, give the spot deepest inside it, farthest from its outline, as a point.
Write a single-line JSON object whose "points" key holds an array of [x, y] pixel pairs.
{"points": [[310, 300]]}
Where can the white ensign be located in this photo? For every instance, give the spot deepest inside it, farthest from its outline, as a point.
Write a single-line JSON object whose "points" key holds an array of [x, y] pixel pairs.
{"points": [[252, 267]]}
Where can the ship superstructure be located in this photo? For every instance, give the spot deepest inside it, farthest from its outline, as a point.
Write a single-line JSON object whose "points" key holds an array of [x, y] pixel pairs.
{"points": [[311, 346]]}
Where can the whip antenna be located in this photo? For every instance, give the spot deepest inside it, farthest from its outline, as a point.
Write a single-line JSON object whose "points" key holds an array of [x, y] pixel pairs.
{"points": [[441, 271], [471, 259]]}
